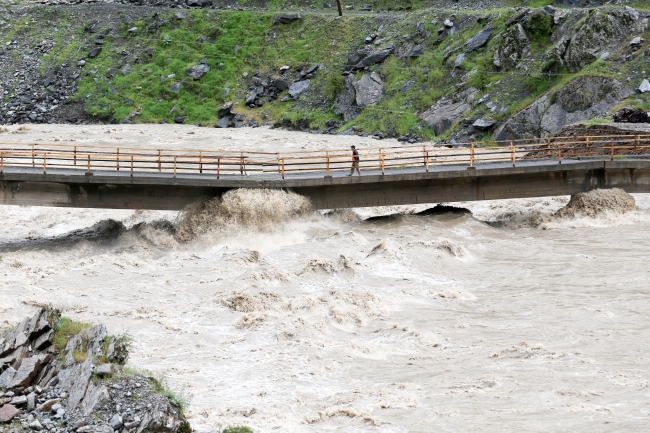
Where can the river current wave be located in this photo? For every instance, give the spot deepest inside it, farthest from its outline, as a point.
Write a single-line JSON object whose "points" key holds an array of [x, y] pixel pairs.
{"points": [[268, 314]]}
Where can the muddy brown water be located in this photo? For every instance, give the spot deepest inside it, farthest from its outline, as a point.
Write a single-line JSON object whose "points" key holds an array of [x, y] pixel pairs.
{"points": [[507, 318]]}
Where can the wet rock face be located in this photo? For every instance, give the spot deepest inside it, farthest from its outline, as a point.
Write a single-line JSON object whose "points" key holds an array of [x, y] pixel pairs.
{"points": [[512, 49]]}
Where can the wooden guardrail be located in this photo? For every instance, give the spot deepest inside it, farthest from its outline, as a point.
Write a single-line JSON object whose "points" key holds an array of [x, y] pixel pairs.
{"points": [[140, 161]]}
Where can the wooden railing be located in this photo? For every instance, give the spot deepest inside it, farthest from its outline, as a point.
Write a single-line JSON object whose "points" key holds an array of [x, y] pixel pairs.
{"points": [[140, 161]]}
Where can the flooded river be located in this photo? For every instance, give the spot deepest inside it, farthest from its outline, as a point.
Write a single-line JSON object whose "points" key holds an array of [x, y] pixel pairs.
{"points": [[263, 313]]}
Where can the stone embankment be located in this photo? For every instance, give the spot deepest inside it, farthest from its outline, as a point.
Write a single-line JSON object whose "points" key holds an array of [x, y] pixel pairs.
{"points": [[60, 376]]}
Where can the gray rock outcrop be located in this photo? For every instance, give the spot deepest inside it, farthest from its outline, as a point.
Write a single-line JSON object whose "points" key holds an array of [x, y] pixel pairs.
{"points": [[64, 390], [583, 98], [369, 89], [514, 46], [446, 112], [598, 31]]}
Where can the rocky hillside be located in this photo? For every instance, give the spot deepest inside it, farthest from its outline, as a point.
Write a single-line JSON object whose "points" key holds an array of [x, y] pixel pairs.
{"points": [[453, 75], [60, 376]]}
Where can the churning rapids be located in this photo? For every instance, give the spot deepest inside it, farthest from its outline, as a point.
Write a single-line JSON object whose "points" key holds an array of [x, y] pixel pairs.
{"points": [[376, 320], [523, 315]]}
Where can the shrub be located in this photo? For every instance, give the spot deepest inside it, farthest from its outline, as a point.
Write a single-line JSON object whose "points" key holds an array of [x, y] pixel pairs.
{"points": [[538, 84], [333, 85], [539, 27], [237, 429]]}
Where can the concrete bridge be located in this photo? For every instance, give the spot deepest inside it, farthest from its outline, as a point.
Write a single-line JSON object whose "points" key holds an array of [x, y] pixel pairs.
{"points": [[152, 179]]}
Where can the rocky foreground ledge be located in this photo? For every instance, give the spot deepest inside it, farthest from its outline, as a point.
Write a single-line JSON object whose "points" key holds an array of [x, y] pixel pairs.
{"points": [[57, 375]]}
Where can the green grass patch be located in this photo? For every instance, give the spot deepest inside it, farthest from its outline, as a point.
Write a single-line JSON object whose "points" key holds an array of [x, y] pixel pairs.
{"points": [[66, 329]]}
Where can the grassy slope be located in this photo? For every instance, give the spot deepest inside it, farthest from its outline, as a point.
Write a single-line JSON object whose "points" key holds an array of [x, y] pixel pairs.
{"points": [[263, 48]]}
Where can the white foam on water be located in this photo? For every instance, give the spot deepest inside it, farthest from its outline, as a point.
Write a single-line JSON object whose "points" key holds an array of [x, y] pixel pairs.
{"points": [[307, 323]]}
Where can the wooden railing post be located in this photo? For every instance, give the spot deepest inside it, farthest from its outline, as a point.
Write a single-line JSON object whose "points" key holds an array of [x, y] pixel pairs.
{"points": [[131, 165], [159, 162], [2, 162], [75, 155], [637, 144], [174, 166], [89, 163], [588, 146], [612, 150], [201, 162], [282, 168], [218, 168], [117, 159], [381, 161], [471, 155], [513, 155], [33, 160], [559, 153], [426, 157], [45, 163], [548, 147], [241, 163], [327, 156]]}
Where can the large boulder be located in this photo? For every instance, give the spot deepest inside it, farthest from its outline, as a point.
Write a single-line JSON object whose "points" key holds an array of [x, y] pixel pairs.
{"points": [[369, 89], [375, 58], [582, 99], [298, 88], [514, 46], [479, 40], [594, 35], [286, 19], [446, 112]]}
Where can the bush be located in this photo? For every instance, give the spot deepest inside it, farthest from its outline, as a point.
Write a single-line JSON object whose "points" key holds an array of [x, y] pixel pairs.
{"points": [[539, 27], [538, 84], [237, 429], [333, 85]]}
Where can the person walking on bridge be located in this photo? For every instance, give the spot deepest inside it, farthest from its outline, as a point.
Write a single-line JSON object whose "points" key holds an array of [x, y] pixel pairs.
{"points": [[355, 161]]}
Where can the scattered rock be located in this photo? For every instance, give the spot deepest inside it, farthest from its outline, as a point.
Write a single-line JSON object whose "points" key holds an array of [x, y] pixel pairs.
{"points": [[179, 119], [479, 40], [298, 88], [94, 52], [7, 413], [407, 86], [459, 60], [126, 69], [645, 86], [286, 19], [225, 109], [176, 87], [417, 51], [197, 72], [374, 58], [106, 370], [483, 125]]}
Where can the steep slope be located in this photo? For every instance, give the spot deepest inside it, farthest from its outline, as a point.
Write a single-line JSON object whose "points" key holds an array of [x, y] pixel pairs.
{"points": [[471, 75]]}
